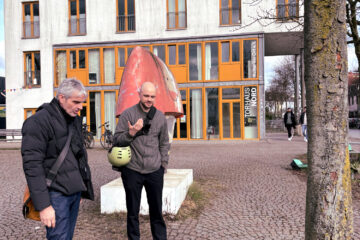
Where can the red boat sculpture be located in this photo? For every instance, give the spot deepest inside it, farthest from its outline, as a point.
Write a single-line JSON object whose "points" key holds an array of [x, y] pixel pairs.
{"points": [[143, 66]]}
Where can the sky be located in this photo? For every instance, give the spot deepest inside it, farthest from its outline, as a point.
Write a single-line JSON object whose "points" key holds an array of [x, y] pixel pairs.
{"points": [[270, 62]]}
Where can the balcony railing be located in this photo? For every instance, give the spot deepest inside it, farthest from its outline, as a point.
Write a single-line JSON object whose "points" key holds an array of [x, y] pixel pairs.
{"points": [[31, 29], [32, 79], [225, 16], [126, 23], [77, 26], [287, 12], [180, 16]]}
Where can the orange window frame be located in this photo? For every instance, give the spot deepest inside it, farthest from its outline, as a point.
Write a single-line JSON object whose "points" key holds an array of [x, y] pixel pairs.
{"points": [[202, 46], [186, 115], [230, 102], [126, 17], [218, 63], [286, 6], [77, 18], [242, 58], [32, 33], [33, 111], [167, 54], [32, 68], [56, 51], [230, 14], [176, 15]]}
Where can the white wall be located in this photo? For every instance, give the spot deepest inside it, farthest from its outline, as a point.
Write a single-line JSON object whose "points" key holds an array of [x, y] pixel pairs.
{"points": [[202, 20]]}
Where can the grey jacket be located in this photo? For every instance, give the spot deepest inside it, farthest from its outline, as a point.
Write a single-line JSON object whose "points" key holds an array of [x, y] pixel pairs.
{"points": [[148, 152]]}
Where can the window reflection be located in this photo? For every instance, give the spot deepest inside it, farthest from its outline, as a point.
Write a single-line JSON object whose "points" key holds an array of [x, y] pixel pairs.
{"points": [[250, 59], [211, 61], [195, 61]]}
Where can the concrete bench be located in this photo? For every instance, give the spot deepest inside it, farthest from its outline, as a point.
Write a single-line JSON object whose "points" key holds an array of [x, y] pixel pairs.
{"points": [[176, 185], [10, 134]]}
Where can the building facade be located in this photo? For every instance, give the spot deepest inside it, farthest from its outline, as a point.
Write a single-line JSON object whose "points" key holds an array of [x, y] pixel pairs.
{"points": [[213, 47]]}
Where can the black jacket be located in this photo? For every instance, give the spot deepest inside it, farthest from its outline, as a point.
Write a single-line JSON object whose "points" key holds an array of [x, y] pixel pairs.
{"points": [[292, 119], [44, 136], [302, 117]]}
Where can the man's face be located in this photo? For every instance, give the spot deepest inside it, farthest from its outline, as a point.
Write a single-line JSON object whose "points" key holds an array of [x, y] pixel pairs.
{"points": [[73, 104], [147, 97]]}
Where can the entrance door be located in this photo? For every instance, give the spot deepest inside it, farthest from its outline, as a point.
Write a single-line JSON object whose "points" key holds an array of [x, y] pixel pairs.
{"points": [[180, 128], [231, 120]]}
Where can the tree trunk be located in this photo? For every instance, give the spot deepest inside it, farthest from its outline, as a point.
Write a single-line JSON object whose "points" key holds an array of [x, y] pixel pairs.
{"points": [[328, 198]]}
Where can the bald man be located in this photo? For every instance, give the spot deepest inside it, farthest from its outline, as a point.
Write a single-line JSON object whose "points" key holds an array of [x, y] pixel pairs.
{"points": [[144, 129]]}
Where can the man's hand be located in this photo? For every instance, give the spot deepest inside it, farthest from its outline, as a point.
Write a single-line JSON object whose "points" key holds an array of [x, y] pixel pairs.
{"points": [[47, 216], [133, 129]]}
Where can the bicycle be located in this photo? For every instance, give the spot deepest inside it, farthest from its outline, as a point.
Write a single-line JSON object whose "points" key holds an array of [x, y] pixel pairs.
{"points": [[88, 137], [106, 138]]}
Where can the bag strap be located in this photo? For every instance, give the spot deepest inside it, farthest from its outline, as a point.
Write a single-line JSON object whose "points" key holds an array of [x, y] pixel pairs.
{"points": [[150, 115], [54, 169]]}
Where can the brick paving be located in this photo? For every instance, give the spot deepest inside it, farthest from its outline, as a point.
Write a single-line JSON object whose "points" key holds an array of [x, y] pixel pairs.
{"points": [[259, 197]]}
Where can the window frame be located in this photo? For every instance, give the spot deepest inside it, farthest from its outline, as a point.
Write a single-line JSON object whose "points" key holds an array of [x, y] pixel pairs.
{"points": [[176, 16], [33, 111], [286, 16], [32, 31], [77, 33], [229, 8], [126, 16], [33, 76]]}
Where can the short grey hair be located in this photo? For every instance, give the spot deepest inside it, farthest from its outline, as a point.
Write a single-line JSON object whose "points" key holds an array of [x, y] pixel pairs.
{"points": [[68, 85]]}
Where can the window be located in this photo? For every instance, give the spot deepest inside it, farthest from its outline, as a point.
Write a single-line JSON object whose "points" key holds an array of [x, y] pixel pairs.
{"points": [[61, 69], [28, 112], [77, 59], [109, 65], [125, 21], [287, 9], [211, 61], [176, 15], [94, 66], [195, 64], [77, 17], [230, 51], [251, 112], [32, 69], [159, 51], [31, 21], [250, 59], [230, 12], [176, 57]]}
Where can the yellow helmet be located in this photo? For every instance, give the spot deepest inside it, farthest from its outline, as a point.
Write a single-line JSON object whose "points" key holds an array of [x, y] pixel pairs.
{"points": [[119, 156]]}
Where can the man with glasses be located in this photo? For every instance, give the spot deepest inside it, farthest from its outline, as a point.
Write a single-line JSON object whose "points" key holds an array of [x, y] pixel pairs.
{"points": [[144, 129]]}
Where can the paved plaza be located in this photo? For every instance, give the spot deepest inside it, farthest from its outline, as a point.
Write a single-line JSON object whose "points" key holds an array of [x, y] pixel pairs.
{"points": [[257, 195]]}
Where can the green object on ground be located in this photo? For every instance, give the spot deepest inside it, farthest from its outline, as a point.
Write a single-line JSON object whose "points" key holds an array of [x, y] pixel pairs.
{"points": [[350, 148], [299, 163]]}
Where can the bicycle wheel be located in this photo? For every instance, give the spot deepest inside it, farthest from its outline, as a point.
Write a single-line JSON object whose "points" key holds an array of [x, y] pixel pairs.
{"points": [[105, 143]]}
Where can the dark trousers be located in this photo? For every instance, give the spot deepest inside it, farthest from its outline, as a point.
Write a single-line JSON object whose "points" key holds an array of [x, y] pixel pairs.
{"points": [[153, 183], [288, 127], [66, 211]]}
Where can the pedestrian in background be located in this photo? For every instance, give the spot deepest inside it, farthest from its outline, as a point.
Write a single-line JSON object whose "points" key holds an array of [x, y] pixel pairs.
{"points": [[289, 121], [54, 127], [303, 121]]}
